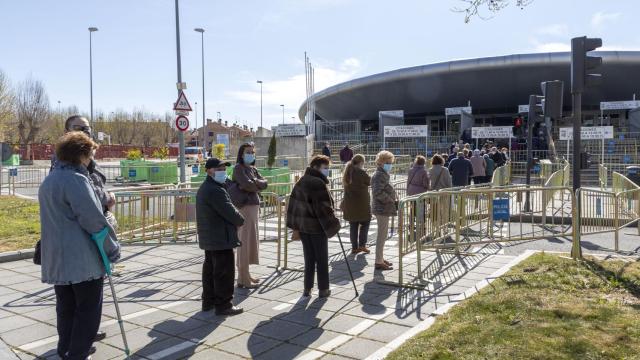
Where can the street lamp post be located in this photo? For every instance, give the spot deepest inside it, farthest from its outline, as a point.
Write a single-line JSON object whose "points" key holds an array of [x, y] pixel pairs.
{"points": [[282, 106], [196, 122], [204, 116], [179, 68], [260, 82], [91, 30]]}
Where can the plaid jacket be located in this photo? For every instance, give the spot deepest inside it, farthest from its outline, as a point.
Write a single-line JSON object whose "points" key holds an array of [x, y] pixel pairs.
{"points": [[310, 209]]}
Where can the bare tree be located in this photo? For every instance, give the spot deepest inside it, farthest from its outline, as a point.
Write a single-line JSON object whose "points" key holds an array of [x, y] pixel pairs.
{"points": [[32, 109], [6, 105], [474, 8]]}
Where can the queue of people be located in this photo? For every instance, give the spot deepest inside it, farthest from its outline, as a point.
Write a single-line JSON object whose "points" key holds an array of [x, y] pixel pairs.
{"points": [[74, 205]]}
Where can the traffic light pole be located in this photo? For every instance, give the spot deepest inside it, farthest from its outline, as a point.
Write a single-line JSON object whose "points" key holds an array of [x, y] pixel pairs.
{"points": [[530, 121], [577, 124]]}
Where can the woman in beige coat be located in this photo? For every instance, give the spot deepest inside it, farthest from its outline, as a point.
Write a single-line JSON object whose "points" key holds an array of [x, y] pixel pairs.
{"points": [[247, 183]]}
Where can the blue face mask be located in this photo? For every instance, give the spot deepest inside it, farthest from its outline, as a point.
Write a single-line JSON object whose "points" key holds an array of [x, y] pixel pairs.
{"points": [[248, 158], [325, 172], [387, 167], [220, 177]]}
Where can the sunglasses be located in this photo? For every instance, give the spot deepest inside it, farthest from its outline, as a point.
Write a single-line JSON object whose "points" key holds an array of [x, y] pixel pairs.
{"points": [[84, 129]]}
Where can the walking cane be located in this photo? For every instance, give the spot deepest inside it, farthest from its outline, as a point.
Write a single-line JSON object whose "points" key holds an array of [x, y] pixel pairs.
{"points": [[348, 266], [98, 238]]}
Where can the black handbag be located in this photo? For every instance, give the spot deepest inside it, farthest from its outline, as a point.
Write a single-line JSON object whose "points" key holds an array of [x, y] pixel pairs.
{"points": [[37, 254]]}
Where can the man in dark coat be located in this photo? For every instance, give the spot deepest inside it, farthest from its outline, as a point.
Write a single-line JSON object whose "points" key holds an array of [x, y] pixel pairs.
{"points": [[310, 215], [217, 221], [326, 150], [461, 170], [346, 154]]}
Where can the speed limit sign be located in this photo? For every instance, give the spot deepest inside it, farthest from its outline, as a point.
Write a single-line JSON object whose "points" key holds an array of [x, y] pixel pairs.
{"points": [[182, 123]]}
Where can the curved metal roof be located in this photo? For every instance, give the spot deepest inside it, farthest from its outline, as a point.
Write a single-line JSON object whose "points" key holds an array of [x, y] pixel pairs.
{"points": [[489, 83]]}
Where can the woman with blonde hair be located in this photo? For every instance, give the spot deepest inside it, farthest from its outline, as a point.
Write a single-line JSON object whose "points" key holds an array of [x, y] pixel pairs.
{"points": [[356, 204], [384, 204]]}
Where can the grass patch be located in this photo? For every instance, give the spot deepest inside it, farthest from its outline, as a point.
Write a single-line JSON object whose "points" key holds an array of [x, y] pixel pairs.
{"points": [[19, 223], [547, 307]]}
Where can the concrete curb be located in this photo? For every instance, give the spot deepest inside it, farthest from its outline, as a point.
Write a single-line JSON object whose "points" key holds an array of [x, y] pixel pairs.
{"points": [[16, 255], [424, 325]]}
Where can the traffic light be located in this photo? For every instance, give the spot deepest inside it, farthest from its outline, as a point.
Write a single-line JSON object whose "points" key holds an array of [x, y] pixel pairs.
{"points": [[553, 93], [583, 65]]}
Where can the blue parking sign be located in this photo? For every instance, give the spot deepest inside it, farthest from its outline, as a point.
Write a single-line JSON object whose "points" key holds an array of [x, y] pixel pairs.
{"points": [[501, 209]]}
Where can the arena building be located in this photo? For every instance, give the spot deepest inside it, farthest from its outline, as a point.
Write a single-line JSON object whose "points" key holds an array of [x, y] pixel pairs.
{"points": [[493, 87]]}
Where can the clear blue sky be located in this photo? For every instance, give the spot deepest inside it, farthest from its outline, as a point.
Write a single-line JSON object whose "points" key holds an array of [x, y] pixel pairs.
{"points": [[247, 40]]}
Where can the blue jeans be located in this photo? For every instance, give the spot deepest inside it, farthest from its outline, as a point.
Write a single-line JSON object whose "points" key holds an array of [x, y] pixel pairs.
{"points": [[79, 308]]}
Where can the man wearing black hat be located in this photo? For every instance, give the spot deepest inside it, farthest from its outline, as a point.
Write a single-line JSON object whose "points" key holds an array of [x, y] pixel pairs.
{"points": [[218, 221]]}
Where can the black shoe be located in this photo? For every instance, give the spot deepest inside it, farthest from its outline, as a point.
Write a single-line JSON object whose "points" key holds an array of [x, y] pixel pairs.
{"points": [[92, 350], [234, 310], [207, 307], [325, 293], [306, 292], [101, 335]]}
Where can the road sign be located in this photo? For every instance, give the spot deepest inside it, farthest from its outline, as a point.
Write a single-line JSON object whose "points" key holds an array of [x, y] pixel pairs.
{"points": [[619, 105], [588, 133], [195, 169], [182, 112], [406, 131], [491, 132], [291, 130], [182, 103], [182, 123], [457, 110], [13, 172], [501, 209]]}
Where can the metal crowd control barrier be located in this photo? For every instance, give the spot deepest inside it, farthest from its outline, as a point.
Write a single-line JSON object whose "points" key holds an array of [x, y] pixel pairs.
{"points": [[603, 176], [158, 216], [502, 175], [21, 177], [610, 211], [465, 220]]}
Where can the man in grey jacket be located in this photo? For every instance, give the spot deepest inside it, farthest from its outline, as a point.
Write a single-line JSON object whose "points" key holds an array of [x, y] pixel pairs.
{"points": [[217, 222]]}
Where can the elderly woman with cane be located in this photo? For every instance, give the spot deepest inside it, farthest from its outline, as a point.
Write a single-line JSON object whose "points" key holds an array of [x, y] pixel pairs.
{"points": [[70, 215], [311, 217]]}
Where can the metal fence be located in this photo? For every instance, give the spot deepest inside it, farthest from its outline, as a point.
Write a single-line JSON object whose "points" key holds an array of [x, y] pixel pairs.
{"points": [[463, 221]]}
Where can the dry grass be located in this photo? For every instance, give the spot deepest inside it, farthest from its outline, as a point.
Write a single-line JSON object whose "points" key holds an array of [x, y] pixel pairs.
{"points": [[19, 223], [547, 307]]}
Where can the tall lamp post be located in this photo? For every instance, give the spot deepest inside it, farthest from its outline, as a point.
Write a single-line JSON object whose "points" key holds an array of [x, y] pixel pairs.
{"points": [[204, 116], [260, 82], [282, 106], [91, 30]]}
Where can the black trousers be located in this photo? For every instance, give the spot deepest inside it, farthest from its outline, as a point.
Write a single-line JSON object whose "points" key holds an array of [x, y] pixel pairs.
{"points": [[316, 256], [79, 308], [218, 274], [358, 232]]}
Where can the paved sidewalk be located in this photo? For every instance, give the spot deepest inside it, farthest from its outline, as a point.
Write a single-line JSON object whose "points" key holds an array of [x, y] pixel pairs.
{"points": [[159, 297]]}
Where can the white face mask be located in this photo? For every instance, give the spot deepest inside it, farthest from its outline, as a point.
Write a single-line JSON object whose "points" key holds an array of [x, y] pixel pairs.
{"points": [[220, 176], [325, 171]]}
